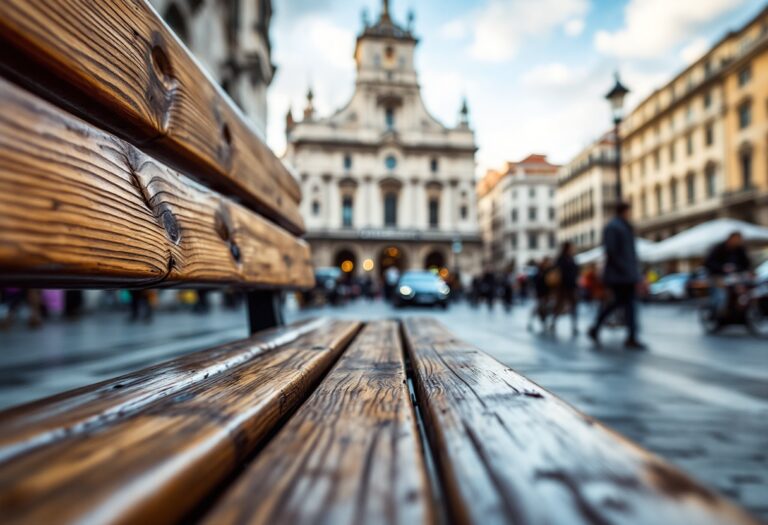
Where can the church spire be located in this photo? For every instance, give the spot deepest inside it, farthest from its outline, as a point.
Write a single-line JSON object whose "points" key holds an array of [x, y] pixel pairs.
{"points": [[385, 10], [309, 109]]}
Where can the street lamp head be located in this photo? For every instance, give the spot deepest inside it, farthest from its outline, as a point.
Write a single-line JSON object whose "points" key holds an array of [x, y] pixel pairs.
{"points": [[616, 97]]}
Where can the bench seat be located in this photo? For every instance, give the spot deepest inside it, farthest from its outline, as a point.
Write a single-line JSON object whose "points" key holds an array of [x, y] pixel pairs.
{"points": [[335, 422]]}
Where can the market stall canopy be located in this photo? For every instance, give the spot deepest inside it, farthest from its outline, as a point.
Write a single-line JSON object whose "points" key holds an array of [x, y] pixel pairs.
{"points": [[697, 241], [644, 248]]}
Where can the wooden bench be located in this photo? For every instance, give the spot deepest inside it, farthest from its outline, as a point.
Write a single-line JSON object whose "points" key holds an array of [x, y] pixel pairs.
{"points": [[123, 165]]}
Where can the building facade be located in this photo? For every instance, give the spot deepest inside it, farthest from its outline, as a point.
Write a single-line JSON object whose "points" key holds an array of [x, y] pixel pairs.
{"points": [[231, 41], [384, 183], [586, 194], [697, 148], [516, 212]]}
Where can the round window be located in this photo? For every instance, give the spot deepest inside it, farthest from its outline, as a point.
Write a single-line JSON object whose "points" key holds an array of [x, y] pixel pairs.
{"points": [[390, 162]]}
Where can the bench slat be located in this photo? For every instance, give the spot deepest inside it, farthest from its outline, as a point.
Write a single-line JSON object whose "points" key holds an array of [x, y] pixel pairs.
{"points": [[160, 464], [116, 64], [63, 416], [351, 454], [79, 207], [510, 452]]}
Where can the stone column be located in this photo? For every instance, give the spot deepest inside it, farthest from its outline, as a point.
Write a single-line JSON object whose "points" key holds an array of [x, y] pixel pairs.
{"points": [[366, 203], [453, 203], [326, 204]]}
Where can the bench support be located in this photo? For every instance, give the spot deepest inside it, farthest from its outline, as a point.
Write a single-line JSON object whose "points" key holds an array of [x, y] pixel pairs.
{"points": [[265, 310]]}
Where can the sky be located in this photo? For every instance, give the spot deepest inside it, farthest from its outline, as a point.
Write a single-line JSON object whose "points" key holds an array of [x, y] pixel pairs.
{"points": [[534, 72]]}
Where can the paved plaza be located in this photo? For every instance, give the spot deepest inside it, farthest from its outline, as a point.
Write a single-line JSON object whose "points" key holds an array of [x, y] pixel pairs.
{"points": [[700, 402]]}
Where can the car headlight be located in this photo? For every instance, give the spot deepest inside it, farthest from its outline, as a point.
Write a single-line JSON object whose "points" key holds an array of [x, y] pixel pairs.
{"points": [[406, 291], [444, 289]]}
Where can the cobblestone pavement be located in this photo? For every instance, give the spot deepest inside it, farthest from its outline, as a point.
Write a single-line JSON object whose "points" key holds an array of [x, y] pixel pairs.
{"points": [[700, 402]]}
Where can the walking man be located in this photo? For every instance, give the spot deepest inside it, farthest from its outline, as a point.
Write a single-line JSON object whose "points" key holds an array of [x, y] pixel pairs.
{"points": [[621, 276]]}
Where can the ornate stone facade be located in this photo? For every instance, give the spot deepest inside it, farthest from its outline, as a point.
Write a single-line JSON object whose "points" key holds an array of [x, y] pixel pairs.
{"points": [[385, 183], [230, 38]]}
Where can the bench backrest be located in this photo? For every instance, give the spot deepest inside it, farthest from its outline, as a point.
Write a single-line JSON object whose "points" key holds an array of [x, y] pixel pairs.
{"points": [[122, 164]]}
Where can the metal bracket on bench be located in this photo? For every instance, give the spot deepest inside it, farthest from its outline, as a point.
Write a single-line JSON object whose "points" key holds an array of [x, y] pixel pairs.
{"points": [[265, 310]]}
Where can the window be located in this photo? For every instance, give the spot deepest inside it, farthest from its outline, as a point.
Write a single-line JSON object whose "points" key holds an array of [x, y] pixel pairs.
{"points": [[513, 240], [689, 144], [551, 192], [707, 99], [377, 61], [514, 215], [644, 204], [533, 240], [389, 52], [434, 213], [552, 240], [433, 165], [657, 160], [707, 69], [463, 212], [672, 152], [346, 211], [389, 118], [532, 213], [709, 134], [710, 175], [315, 208], [673, 193], [551, 213], [347, 161], [659, 201], [690, 185], [514, 194], [390, 162], [744, 76], [390, 209], [532, 192], [745, 115], [746, 169]]}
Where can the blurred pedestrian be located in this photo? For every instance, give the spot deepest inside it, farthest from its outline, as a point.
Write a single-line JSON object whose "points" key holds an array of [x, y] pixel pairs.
{"points": [[508, 290], [542, 285], [566, 293], [141, 308], [488, 288], [726, 258], [621, 275], [14, 298]]}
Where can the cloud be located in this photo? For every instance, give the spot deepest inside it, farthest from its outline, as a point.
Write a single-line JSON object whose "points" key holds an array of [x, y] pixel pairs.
{"points": [[554, 74], [655, 27], [574, 27], [502, 26], [454, 30], [694, 50]]}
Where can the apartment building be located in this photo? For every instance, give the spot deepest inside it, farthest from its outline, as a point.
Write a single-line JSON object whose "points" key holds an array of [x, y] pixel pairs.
{"points": [[697, 148], [516, 212], [586, 194]]}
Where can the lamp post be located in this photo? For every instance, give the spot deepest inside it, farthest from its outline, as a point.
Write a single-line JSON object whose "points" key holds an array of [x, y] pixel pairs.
{"points": [[616, 97]]}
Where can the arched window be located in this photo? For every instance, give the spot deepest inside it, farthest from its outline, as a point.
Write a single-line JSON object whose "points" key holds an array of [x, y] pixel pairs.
{"points": [[390, 208], [690, 185], [389, 118], [673, 193], [711, 178], [347, 211], [745, 163], [390, 162], [315, 208], [434, 212], [659, 200]]}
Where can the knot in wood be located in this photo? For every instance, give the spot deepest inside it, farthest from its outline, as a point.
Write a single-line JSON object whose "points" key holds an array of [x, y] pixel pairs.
{"points": [[171, 226]]}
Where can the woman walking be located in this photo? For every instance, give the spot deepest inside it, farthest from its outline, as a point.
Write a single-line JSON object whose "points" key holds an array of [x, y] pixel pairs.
{"points": [[566, 294]]}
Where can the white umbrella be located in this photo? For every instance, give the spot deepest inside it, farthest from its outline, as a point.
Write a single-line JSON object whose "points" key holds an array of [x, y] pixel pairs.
{"points": [[699, 240], [644, 249]]}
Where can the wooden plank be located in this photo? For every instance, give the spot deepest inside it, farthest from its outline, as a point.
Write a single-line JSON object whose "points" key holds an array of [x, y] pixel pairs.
{"points": [[351, 454], [117, 65], [79, 207], [160, 464], [508, 451], [79, 411]]}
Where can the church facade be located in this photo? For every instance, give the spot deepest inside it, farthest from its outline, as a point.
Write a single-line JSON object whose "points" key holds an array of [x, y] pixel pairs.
{"points": [[384, 183], [230, 39]]}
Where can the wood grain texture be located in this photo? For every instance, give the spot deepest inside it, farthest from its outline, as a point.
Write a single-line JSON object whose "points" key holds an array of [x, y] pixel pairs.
{"points": [[81, 207], [508, 451], [79, 411], [117, 65], [159, 464], [350, 455]]}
